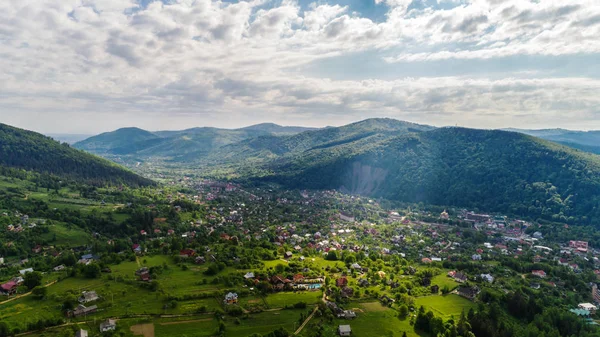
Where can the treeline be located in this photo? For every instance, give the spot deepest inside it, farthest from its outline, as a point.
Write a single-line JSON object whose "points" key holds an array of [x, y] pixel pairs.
{"points": [[32, 151]]}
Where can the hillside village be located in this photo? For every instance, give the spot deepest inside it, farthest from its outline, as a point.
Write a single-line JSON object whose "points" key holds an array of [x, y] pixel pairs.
{"points": [[322, 250]]}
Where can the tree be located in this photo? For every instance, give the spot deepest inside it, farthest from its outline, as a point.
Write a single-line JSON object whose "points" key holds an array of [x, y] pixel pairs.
{"points": [[32, 280], [403, 311], [39, 292]]}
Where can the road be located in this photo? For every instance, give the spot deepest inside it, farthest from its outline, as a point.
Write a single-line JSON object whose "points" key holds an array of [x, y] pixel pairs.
{"points": [[309, 317]]}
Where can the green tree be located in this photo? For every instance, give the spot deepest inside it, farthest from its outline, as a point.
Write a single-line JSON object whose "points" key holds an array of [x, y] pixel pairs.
{"points": [[32, 280]]}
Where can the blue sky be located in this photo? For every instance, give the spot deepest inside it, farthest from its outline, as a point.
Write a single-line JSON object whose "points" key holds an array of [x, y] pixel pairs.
{"points": [[87, 66]]}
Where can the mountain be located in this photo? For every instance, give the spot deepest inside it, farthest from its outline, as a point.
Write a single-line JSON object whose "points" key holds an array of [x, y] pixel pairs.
{"points": [[35, 152], [351, 136], [275, 129], [588, 141], [491, 170], [105, 142], [188, 145]]}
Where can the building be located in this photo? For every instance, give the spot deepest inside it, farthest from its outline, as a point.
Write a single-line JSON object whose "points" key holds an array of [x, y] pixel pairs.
{"points": [[468, 292], [249, 275], [341, 282], [444, 215], [589, 307], [82, 310], [538, 273], [488, 278], [88, 296], [108, 325], [9, 288], [81, 333], [344, 330], [595, 293], [581, 246], [287, 255], [25, 271], [231, 298]]}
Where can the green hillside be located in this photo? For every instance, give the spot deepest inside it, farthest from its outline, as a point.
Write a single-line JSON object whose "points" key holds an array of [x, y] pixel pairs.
{"points": [[32, 151], [492, 170], [121, 139], [588, 141], [190, 145]]}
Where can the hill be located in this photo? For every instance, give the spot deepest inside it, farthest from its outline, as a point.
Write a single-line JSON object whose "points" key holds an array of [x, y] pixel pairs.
{"points": [[493, 170], [188, 145], [588, 141], [121, 138], [32, 151]]}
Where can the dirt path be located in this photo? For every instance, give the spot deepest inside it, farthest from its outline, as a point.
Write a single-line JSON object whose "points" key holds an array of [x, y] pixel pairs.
{"points": [[185, 322], [309, 317], [23, 295]]}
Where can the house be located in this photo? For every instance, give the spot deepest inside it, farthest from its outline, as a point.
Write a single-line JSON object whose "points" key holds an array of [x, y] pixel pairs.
{"points": [[249, 275], [82, 310], [344, 330], [143, 232], [298, 278], [347, 314], [535, 286], [81, 333], [59, 268], [476, 257], [341, 282], [487, 277], [589, 307], [287, 255], [363, 282], [37, 249], [136, 248], [579, 245], [185, 253], [460, 277], [538, 273], [25, 271], [538, 235], [200, 260], [231, 298], [468, 292], [108, 325], [9, 288], [356, 267], [143, 270], [88, 296]]}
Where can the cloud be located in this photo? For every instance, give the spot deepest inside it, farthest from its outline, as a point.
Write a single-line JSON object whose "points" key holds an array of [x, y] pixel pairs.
{"points": [[248, 58]]}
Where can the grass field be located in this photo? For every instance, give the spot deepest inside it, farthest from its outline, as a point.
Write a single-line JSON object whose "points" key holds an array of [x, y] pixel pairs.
{"points": [[68, 236], [445, 306], [375, 319], [280, 300], [443, 280]]}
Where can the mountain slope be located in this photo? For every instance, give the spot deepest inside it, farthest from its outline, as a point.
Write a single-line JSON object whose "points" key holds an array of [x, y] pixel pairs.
{"points": [[32, 151], [355, 135], [588, 141], [188, 145], [121, 139], [492, 170]]}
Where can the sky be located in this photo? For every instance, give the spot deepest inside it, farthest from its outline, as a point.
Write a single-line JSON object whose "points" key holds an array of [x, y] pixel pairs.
{"points": [[89, 66]]}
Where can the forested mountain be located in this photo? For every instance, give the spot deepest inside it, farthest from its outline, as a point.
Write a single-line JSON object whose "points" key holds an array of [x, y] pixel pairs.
{"points": [[183, 146], [106, 142], [588, 141], [492, 170], [32, 151]]}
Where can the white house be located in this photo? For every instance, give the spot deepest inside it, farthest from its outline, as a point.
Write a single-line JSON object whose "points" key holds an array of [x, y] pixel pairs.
{"points": [[344, 330], [487, 277], [476, 257], [25, 271], [108, 325]]}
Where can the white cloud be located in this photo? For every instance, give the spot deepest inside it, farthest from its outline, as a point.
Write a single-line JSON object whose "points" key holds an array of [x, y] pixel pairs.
{"points": [[220, 59]]}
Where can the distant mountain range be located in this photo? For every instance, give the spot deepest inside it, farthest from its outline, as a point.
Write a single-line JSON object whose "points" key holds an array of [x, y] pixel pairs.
{"points": [[32, 151], [492, 170], [584, 140], [69, 138], [184, 146]]}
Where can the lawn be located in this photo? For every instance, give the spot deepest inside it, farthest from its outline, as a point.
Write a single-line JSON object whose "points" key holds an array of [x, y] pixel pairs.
{"points": [[445, 306], [280, 300], [61, 234], [443, 280], [265, 322], [374, 319]]}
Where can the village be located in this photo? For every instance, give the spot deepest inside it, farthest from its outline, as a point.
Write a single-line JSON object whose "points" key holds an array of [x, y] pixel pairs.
{"points": [[335, 261]]}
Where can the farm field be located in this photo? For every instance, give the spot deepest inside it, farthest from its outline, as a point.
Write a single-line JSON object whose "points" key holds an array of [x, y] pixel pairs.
{"points": [[445, 306], [375, 319], [280, 300]]}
